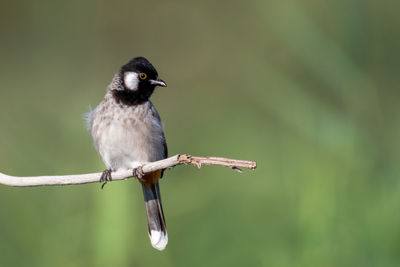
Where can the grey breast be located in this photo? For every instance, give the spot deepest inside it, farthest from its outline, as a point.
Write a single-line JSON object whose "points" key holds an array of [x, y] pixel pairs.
{"points": [[126, 136]]}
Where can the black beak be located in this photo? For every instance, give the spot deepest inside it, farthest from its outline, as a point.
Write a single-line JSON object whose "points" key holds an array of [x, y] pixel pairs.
{"points": [[159, 82]]}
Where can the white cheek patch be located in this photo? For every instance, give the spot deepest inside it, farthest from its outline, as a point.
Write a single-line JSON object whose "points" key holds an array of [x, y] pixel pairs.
{"points": [[131, 80]]}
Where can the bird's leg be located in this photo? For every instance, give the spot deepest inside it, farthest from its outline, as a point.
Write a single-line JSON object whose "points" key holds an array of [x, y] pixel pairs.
{"points": [[105, 177], [138, 173]]}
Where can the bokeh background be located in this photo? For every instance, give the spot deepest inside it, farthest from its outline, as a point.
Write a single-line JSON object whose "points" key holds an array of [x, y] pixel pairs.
{"points": [[309, 89]]}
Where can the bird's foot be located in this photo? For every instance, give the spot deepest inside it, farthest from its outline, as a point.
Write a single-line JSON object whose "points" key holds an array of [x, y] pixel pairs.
{"points": [[138, 173], [105, 177]]}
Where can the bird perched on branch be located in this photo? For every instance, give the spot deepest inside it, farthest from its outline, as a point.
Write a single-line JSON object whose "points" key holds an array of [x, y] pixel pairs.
{"points": [[127, 132]]}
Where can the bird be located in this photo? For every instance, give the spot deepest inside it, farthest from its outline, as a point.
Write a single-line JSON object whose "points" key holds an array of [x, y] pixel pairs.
{"points": [[127, 132]]}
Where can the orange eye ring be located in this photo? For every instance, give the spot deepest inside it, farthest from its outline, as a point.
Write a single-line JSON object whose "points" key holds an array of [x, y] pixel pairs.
{"points": [[142, 76]]}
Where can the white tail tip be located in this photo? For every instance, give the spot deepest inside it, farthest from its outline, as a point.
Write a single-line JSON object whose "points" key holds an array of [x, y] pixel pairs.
{"points": [[158, 239]]}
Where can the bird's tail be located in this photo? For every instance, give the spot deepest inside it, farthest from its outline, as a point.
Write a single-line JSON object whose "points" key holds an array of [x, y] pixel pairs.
{"points": [[155, 216]]}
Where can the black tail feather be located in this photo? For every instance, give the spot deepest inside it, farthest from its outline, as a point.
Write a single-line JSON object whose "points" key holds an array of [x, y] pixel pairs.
{"points": [[155, 216]]}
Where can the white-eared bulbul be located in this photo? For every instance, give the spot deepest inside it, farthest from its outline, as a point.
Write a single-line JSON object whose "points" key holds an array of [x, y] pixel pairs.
{"points": [[127, 132]]}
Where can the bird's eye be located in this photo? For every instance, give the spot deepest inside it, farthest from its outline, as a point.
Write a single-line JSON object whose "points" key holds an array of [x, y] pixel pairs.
{"points": [[142, 76]]}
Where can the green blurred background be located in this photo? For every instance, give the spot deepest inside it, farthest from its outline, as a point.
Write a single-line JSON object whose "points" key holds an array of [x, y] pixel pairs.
{"points": [[309, 89]]}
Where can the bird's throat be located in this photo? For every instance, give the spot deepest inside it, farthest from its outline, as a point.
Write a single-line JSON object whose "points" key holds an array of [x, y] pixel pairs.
{"points": [[130, 98]]}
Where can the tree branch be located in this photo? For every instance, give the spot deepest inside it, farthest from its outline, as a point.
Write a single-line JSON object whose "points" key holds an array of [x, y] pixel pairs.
{"points": [[126, 174]]}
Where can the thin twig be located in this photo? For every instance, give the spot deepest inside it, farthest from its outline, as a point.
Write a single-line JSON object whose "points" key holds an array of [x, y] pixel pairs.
{"points": [[126, 174]]}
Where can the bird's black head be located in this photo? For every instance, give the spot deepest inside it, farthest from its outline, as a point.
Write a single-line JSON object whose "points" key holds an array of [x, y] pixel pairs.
{"points": [[139, 78]]}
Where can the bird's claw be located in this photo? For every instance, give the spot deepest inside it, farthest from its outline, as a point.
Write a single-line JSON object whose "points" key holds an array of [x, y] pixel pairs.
{"points": [[138, 173], [105, 177]]}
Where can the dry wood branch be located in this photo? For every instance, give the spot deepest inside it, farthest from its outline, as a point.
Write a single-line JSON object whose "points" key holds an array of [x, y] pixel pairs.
{"points": [[125, 174]]}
